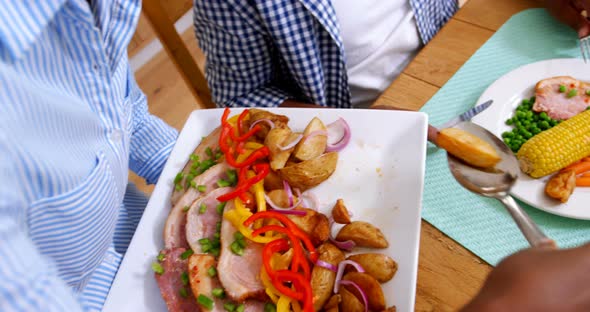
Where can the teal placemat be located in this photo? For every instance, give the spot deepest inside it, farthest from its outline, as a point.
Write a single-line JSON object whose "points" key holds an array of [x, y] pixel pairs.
{"points": [[481, 224]]}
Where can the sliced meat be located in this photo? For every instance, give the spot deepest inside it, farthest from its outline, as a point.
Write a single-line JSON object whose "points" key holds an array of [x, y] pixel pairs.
{"points": [[202, 283], [559, 105], [211, 141], [203, 225], [170, 282], [239, 275], [174, 230]]}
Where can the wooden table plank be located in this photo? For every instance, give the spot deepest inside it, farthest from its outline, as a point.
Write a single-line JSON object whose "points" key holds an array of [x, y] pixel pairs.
{"points": [[447, 52], [406, 93], [491, 14]]}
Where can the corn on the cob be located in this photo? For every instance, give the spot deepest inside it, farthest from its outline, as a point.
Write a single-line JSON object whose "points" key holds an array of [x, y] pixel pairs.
{"points": [[556, 148]]}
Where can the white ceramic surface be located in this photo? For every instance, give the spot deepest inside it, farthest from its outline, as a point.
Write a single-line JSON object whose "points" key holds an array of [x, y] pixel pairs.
{"points": [[507, 93], [380, 176]]}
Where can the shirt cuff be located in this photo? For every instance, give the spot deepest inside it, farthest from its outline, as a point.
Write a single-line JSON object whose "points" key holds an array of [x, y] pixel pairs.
{"points": [[151, 145]]}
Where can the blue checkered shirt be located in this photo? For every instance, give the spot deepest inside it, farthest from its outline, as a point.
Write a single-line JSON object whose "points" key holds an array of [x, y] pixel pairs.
{"points": [[260, 53]]}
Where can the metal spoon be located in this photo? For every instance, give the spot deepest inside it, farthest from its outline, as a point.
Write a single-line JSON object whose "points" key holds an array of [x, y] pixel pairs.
{"points": [[497, 182]]}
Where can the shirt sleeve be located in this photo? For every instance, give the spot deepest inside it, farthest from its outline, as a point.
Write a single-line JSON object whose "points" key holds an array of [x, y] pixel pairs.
{"points": [[29, 280], [152, 139], [240, 67]]}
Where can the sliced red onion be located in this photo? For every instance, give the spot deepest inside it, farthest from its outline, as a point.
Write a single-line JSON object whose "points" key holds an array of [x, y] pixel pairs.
{"points": [[345, 245], [292, 144], [326, 265], [285, 210], [360, 290], [288, 191], [341, 267], [268, 121], [334, 128]]}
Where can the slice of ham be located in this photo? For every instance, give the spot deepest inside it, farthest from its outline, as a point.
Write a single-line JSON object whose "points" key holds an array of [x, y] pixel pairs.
{"points": [[211, 141], [170, 282], [557, 104], [202, 283], [239, 275], [203, 225], [174, 229]]}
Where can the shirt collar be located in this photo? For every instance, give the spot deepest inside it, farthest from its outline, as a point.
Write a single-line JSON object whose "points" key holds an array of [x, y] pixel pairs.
{"points": [[21, 23]]}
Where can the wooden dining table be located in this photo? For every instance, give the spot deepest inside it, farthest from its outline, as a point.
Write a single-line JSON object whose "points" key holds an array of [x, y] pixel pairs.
{"points": [[448, 274]]}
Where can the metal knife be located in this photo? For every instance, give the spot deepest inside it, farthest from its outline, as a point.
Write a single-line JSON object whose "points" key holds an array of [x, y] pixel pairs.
{"points": [[467, 115]]}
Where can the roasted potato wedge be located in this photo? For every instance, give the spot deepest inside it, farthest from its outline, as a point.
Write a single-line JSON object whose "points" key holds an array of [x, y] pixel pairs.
{"points": [[279, 121], [350, 303], [468, 147], [379, 266], [322, 279], [370, 286], [334, 301], [364, 234], [310, 173], [314, 224], [340, 213], [309, 148], [273, 181], [561, 185], [390, 309], [276, 139], [332, 309]]}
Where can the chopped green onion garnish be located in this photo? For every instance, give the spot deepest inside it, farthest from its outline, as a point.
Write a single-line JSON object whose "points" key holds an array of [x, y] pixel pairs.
{"points": [[232, 176], [205, 301], [212, 271], [178, 187], [217, 236], [588, 92], [241, 242], [202, 208], [215, 251], [178, 177], [183, 293], [161, 257], [215, 243], [194, 157], [218, 226], [218, 155], [236, 248], [223, 183], [157, 267], [229, 307], [209, 152], [193, 184], [204, 241], [186, 208], [241, 308], [562, 88], [186, 254], [238, 235], [202, 188], [220, 208], [205, 248], [218, 292], [269, 307], [572, 93], [184, 278]]}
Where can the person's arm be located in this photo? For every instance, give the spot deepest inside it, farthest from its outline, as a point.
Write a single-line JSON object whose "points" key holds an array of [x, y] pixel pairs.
{"points": [[537, 280], [240, 65], [568, 12], [152, 139], [29, 281]]}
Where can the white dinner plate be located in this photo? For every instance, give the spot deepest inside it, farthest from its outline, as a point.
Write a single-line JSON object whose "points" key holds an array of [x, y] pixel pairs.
{"points": [[507, 93], [380, 176]]}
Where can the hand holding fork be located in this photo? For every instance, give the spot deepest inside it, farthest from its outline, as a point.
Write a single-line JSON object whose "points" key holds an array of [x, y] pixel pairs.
{"points": [[574, 13]]}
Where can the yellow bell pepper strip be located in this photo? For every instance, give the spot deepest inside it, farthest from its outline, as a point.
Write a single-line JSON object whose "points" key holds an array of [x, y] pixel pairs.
{"points": [[238, 216], [283, 304], [270, 290]]}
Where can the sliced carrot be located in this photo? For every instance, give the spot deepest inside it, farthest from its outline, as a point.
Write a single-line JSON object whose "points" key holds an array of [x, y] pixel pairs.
{"points": [[585, 181], [579, 167], [585, 175]]}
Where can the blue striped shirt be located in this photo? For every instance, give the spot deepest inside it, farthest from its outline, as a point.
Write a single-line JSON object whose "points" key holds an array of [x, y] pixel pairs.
{"points": [[72, 122]]}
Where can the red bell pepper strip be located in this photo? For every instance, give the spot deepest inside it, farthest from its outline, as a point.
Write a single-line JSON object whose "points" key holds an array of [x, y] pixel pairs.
{"points": [[278, 245], [226, 112], [300, 284], [257, 154], [240, 147], [289, 224], [241, 119], [246, 135], [245, 185], [223, 136], [299, 260]]}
